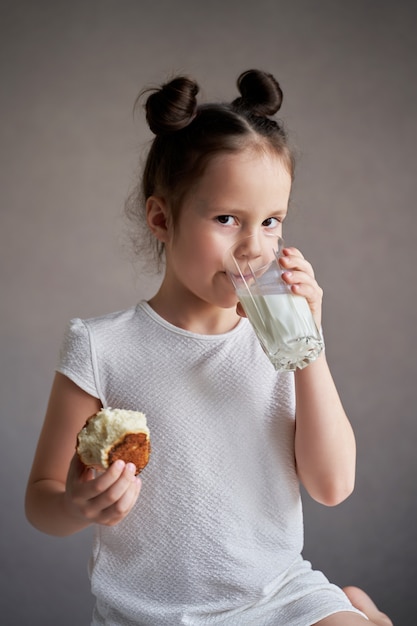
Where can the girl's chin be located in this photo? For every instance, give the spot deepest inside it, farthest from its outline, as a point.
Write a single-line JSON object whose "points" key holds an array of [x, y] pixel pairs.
{"points": [[228, 303]]}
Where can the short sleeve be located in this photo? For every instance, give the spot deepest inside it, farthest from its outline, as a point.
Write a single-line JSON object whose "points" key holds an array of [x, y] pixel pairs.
{"points": [[76, 359]]}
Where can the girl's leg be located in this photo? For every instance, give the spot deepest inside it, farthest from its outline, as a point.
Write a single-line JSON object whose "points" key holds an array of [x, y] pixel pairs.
{"points": [[363, 602]]}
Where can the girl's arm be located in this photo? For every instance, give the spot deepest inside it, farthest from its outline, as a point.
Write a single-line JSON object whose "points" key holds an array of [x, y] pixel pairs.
{"points": [[62, 495], [325, 449]]}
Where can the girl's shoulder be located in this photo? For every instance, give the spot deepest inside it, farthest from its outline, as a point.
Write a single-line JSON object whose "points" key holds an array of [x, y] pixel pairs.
{"points": [[113, 318], [108, 321], [81, 331], [90, 342]]}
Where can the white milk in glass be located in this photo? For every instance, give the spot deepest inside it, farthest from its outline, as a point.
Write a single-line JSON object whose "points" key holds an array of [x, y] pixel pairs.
{"points": [[284, 326]]}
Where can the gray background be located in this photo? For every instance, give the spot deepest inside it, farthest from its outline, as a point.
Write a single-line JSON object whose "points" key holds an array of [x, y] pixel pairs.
{"points": [[70, 72]]}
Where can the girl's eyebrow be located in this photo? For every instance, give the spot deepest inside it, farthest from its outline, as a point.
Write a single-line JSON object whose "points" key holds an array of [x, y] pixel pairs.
{"points": [[281, 212], [219, 210]]}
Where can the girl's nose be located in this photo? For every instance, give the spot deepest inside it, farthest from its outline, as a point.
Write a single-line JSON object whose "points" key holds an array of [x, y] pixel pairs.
{"points": [[249, 248]]}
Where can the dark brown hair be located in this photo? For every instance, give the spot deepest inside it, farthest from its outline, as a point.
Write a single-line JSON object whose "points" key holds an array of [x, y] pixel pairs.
{"points": [[188, 135]]}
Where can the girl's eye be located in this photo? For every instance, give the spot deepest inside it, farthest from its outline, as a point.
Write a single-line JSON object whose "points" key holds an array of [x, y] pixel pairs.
{"points": [[271, 222], [227, 220]]}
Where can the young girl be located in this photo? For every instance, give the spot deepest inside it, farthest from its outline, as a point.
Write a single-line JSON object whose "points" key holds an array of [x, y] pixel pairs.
{"points": [[216, 534]]}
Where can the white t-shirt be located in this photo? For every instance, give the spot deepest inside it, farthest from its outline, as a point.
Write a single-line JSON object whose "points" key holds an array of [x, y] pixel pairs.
{"points": [[217, 533]]}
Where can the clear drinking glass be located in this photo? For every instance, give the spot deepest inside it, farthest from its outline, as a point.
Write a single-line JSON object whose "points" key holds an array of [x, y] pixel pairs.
{"points": [[282, 321]]}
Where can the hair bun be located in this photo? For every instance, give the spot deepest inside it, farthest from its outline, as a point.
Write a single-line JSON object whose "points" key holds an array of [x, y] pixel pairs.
{"points": [[260, 93], [173, 106]]}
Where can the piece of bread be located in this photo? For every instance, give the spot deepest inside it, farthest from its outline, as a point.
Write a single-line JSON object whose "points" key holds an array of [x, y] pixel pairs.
{"points": [[113, 434]]}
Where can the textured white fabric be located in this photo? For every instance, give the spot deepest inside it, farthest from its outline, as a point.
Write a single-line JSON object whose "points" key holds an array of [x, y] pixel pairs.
{"points": [[216, 535]]}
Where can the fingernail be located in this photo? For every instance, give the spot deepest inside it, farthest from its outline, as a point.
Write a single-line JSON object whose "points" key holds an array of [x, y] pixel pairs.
{"points": [[131, 467], [119, 464]]}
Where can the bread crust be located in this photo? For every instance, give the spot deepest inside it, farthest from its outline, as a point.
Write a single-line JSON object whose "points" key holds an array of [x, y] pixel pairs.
{"points": [[133, 448]]}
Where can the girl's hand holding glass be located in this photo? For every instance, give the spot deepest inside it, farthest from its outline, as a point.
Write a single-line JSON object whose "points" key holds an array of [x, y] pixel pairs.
{"points": [[284, 307], [299, 274]]}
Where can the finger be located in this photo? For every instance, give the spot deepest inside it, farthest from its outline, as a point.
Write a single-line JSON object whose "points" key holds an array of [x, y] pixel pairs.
{"points": [[93, 507], [302, 284], [119, 509], [87, 475], [103, 481], [116, 490], [296, 262], [76, 468], [312, 293], [291, 252], [83, 491], [297, 277], [78, 473], [240, 310]]}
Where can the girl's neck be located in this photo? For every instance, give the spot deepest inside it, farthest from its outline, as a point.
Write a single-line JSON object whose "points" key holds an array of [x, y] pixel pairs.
{"points": [[193, 315]]}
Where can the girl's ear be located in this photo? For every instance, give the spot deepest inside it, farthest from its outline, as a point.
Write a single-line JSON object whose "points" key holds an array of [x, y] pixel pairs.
{"points": [[157, 217]]}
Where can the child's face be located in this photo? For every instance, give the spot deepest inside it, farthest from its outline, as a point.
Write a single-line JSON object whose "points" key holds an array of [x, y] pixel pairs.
{"points": [[239, 195]]}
